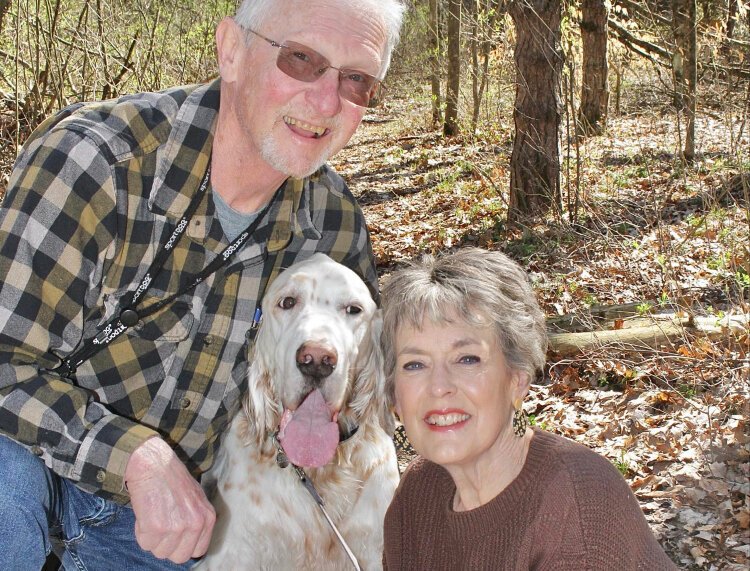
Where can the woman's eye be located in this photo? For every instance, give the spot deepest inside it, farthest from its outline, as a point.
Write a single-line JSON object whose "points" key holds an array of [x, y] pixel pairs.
{"points": [[353, 309], [469, 359], [412, 366], [288, 302]]}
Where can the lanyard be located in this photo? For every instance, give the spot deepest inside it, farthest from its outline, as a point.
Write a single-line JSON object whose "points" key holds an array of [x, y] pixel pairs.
{"points": [[128, 314]]}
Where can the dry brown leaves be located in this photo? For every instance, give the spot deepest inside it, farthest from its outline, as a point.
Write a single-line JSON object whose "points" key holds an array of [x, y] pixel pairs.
{"points": [[673, 419]]}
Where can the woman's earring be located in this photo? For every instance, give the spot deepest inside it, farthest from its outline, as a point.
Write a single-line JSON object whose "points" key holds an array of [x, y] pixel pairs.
{"points": [[520, 420]]}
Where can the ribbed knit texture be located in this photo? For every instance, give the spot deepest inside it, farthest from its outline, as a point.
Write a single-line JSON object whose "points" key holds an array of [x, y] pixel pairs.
{"points": [[568, 509]]}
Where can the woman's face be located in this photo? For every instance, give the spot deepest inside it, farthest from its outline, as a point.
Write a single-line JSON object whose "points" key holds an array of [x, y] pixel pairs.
{"points": [[454, 392]]}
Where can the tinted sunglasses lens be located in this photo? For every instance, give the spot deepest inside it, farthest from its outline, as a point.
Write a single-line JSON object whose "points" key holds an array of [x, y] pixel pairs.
{"points": [[359, 88], [301, 63], [305, 64]]}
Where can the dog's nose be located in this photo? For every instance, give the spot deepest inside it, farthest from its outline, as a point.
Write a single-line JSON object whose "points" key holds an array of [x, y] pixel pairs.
{"points": [[316, 360]]}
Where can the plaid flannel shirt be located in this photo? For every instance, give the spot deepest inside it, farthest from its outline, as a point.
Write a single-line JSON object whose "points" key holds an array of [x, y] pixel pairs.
{"points": [[95, 192]]}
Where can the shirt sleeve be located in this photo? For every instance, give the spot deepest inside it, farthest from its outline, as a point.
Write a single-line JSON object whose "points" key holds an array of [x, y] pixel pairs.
{"points": [[344, 234], [57, 222]]}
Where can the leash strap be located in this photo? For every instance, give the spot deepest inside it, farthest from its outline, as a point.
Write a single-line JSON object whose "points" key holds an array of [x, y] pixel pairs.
{"points": [[283, 462], [318, 500], [128, 315]]}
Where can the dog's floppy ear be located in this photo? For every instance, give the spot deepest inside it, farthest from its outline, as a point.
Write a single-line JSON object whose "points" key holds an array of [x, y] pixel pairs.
{"points": [[260, 404], [370, 399]]}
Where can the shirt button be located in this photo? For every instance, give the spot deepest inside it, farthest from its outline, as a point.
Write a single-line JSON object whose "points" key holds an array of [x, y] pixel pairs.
{"points": [[208, 339], [101, 475], [37, 450], [184, 402]]}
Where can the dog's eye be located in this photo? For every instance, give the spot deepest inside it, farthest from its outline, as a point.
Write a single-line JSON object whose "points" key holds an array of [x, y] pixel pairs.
{"points": [[288, 302], [353, 309]]}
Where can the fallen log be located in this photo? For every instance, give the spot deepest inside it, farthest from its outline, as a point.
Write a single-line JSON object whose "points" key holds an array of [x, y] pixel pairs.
{"points": [[664, 331]]}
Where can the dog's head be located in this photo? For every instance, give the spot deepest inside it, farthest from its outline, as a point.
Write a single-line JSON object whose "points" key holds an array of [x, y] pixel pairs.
{"points": [[320, 331]]}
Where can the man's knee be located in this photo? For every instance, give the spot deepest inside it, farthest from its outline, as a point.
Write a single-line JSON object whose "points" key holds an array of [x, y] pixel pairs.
{"points": [[24, 475]]}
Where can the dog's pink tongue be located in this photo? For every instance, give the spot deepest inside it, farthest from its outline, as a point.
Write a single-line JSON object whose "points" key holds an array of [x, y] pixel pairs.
{"points": [[308, 435]]}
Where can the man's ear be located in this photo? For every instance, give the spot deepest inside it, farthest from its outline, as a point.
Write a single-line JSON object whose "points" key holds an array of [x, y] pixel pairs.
{"points": [[229, 42]]}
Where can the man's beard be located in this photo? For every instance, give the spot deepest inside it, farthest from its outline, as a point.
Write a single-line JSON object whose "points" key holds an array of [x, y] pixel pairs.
{"points": [[295, 166]]}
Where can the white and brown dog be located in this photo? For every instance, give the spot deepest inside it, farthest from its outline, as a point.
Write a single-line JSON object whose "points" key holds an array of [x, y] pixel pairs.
{"points": [[316, 374]]}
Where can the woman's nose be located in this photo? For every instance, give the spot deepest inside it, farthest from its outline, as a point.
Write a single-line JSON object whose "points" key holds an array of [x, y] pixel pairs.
{"points": [[441, 382]]}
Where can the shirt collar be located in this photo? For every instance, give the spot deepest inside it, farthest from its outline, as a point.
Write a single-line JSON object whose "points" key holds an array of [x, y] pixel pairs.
{"points": [[182, 163]]}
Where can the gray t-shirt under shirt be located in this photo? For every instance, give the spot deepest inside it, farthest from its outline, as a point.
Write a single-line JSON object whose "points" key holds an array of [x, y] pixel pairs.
{"points": [[233, 222]]}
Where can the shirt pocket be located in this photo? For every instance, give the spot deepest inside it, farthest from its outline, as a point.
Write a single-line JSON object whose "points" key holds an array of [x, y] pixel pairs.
{"points": [[126, 374]]}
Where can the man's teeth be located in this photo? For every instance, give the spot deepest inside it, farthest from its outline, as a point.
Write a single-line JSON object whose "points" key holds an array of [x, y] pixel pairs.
{"points": [[446, 419], [319, 131]]}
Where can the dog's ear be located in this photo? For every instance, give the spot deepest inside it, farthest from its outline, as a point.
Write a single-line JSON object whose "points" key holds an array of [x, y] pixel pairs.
{"points": [[260, 403], [370, 399]]}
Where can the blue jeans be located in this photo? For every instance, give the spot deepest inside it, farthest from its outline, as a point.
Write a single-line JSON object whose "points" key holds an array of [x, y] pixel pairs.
{"points": [[39, 509]]}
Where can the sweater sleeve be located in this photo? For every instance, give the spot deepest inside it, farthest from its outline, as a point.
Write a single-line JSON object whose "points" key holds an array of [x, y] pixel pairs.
{"points": [[392, 532], [607, 520]]}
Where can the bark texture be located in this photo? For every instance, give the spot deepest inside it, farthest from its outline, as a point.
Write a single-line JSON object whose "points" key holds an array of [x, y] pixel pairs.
{"points": [[592, 114], [535, 165]]}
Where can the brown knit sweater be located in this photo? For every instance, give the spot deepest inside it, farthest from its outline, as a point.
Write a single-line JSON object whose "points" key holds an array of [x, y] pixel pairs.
{"points": [[568, 509]]}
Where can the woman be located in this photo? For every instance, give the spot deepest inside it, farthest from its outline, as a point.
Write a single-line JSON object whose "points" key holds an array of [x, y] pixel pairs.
{"points": [[463, 337]]}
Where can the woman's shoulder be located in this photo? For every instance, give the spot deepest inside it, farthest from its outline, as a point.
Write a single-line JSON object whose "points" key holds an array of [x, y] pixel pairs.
{"points": [[571, 456], [588, 475], [421, 475]]}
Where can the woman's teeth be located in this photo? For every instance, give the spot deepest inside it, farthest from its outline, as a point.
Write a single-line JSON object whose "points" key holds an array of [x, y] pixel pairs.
{"points": [[446, 419]]}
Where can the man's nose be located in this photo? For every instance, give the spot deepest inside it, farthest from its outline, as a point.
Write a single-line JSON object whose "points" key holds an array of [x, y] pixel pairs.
{"points": [[323, 94]]}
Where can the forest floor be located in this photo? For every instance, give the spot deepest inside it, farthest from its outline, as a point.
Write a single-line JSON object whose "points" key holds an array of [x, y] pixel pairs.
{"points": [[649, 236]]}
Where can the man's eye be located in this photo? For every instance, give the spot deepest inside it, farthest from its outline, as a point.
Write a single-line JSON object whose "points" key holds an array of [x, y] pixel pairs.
{"points": [[288, 302], [355, 77], [302, 56]]}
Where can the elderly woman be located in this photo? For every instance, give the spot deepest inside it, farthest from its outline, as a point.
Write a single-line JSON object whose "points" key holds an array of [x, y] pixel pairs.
{"points": [[463, 338]]}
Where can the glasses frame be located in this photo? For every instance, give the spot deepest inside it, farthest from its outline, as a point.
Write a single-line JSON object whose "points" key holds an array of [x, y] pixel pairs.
{"points": [[378, 88]]}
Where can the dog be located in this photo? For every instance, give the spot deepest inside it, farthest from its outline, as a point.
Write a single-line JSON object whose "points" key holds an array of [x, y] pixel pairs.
{"points": [[315, 400]]}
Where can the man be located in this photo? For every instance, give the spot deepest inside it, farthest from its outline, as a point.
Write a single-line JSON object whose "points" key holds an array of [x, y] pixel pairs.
{"points": [[136, 240]]}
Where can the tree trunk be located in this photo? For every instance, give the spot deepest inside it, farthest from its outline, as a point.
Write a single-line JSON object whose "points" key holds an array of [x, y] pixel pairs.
{"points": [[450, 126], [691, 64], [679, 31], [592, 115], [474, 43], [437, 101], [4, 8], [534, 163]]}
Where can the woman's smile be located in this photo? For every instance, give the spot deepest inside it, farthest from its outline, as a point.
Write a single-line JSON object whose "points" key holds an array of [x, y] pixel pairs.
{"points": [[440, 421]]}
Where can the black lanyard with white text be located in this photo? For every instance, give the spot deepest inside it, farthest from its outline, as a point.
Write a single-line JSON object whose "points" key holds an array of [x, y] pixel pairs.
{"points": [[128, 315]]}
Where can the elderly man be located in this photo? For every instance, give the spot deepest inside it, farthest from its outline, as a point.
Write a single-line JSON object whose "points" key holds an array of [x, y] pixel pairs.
{"points": [[136, 240]]}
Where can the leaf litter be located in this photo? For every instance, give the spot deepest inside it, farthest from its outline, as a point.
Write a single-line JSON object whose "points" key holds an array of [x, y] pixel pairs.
{"points": [[675, 418]]}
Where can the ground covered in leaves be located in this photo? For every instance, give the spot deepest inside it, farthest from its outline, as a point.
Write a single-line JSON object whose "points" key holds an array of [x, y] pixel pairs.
{"points": [[640, 233]]}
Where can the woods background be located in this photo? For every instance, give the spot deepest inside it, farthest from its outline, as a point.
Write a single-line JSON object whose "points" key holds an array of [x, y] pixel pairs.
{"points": [[603, 145]]}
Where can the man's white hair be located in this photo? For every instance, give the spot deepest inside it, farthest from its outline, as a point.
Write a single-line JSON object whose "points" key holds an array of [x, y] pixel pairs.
{"points": [[252, 13]]}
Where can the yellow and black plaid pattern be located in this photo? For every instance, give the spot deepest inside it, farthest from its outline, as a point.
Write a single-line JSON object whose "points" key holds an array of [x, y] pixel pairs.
{"points": [[94, 193]]}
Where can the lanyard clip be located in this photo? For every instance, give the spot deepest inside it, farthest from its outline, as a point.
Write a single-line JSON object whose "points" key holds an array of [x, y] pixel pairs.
{"points": [[257, 318]]}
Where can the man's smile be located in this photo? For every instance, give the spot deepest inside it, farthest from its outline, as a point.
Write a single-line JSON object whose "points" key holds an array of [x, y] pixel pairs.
{"points": [[305, 129]]}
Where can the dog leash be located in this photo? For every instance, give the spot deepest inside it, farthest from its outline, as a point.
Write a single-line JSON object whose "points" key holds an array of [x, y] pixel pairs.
{"points": [[283, 462]]}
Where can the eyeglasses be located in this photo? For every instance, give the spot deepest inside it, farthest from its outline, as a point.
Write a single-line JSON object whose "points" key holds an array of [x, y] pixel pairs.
{"points": [[305, 64]]}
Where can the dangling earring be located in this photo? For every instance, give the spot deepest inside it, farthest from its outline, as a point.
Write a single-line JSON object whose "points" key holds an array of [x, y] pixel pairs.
{"points": [[520, 420]]}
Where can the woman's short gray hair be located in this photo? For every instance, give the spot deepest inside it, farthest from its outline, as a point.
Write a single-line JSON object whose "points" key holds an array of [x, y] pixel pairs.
{"points": [[483, 288], [252, 13]]}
